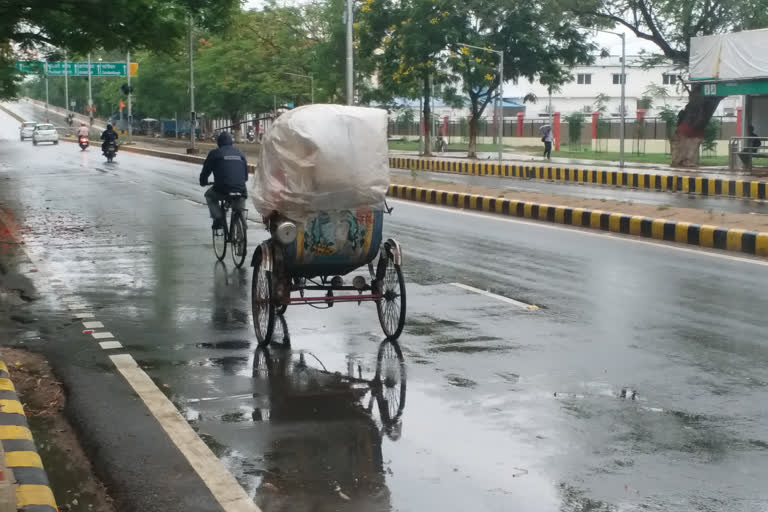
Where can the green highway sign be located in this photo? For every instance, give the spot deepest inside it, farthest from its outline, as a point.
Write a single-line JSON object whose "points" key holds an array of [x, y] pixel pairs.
{"points": [[76, 68]]}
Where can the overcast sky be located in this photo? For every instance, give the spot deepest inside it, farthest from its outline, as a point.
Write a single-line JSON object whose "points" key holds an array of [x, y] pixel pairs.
{"points": [[611, 42]]}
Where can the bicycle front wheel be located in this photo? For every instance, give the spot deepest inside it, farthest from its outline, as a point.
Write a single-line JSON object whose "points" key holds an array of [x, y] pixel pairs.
{"points": [[220, 242], [238, 237]]}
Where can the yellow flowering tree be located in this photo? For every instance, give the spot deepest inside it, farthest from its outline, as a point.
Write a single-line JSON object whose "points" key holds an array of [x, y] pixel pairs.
{"points": [[406, 41], [536, 40]]}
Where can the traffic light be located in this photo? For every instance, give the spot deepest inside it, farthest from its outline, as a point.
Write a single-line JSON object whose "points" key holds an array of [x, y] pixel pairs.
{"points": [[127, 89]]}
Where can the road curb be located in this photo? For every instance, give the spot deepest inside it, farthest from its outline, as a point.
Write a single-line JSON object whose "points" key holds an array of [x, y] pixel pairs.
{"points": [[12, 114], [749, 189], [33, 492], [730, 239]]}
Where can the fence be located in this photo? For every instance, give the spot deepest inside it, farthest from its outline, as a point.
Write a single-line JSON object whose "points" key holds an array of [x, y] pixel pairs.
{"points": [[651, 128]]}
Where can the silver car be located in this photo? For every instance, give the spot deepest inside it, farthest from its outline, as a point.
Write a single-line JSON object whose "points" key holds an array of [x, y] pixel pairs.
{"points": [[45, 133], [27, 129]]}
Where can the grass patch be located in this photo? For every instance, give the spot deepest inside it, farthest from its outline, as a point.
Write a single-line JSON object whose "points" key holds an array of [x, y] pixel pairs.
{"points": [[402, 145]]}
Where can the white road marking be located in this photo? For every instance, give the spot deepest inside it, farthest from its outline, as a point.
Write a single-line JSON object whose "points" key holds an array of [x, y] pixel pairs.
{"points": [[701, 251], [78, 306], [514, 302], [93, 325], [84, 315], [219, 480], [196, 203], [108, 345], [102, 335]]}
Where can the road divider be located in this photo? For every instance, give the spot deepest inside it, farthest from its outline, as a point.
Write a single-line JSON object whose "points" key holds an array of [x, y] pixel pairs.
{"points": [[730, 239], [647, 181], [33, 492]]}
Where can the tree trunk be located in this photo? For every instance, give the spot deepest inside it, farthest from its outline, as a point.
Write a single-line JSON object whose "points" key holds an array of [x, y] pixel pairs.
{"points": [[691, 122], [427, 118], [235, 120], [472, 153]]}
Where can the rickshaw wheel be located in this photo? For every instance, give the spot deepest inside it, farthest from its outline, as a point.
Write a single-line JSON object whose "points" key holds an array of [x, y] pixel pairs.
{"points": [[262, 307], [391, 307]]}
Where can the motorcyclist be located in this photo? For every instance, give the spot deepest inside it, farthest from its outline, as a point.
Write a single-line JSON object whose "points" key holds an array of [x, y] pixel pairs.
{"points": [[108, 135], [82, 131], [230, 173]]}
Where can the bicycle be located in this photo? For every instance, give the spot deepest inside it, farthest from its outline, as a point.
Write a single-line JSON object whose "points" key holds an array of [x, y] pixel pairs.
{"points": [[234, 232]]}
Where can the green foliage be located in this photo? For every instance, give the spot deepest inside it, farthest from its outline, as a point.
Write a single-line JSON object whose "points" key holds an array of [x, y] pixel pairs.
{"points": [[669, 116], [601, 102], [534, 39], [645, 102], [711, 135], [575, 126]]}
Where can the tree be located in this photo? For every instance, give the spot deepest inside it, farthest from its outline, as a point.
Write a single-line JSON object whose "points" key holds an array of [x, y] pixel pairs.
{"points": [[670, 25], [79, 26], [601, 102], [534, 39], [406, 42], [575, 122]]}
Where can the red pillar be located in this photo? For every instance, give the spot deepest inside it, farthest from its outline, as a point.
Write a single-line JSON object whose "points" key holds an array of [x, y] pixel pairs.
{"points": [[445, 126], [739, 121], [595, 120], [556, 129], [520, 116], [640, 114]]}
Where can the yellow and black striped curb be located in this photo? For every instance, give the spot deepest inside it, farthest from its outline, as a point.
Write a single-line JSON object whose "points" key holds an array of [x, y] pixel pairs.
{"points": [[33, 492], [738, 240], [661, 182]]}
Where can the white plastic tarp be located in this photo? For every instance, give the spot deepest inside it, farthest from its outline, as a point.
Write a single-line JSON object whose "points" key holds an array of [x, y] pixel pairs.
{"points": [[734, 56], [323, 158]]}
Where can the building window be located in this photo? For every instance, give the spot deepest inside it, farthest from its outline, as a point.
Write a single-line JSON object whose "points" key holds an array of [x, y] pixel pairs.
{"points": [[617, 78], [584, 78], [668, 79]]}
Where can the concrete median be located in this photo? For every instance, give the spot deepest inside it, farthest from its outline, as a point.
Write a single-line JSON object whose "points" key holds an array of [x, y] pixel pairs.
{"points": [[730, 239], [703, 185]]}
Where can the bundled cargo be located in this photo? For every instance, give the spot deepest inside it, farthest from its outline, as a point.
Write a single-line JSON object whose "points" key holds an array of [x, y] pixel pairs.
{"points": [[323, 158]]}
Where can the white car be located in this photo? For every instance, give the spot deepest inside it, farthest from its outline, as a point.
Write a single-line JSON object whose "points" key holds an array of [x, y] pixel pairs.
{"points": [[26, 131], [45, 133]]}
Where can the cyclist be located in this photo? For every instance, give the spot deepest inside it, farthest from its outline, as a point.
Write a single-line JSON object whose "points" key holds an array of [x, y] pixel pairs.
{"points": [[230, 172]]}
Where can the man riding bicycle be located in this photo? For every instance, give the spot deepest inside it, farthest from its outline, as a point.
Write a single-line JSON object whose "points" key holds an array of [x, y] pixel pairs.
{"points": [[230, 172]]}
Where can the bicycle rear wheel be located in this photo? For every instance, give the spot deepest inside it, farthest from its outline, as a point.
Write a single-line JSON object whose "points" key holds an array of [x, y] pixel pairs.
{"points": [[238, 237], [220, 240]]}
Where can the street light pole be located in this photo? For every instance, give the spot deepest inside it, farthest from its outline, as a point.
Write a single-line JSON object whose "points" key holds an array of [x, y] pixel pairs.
{"points": [[90, 91], [623, 98], [130, 114], [66, 84], [350, 61], [499, 100], [192, 118], [45, 67], [311, 83]]}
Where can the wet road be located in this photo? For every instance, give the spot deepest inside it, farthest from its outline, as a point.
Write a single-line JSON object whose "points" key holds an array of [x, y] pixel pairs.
{"points": [[494, 407], [666, 199]]}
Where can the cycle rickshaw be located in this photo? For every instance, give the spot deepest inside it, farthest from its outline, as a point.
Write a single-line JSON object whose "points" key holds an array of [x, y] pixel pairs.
{"points": [[321, 187]]}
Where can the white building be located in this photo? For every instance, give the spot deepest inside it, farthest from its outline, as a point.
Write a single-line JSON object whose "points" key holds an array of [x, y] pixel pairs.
{"points": [[604, 77]]}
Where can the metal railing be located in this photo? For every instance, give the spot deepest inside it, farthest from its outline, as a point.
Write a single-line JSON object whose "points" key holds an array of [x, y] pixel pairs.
{"points": [[742, 152]]}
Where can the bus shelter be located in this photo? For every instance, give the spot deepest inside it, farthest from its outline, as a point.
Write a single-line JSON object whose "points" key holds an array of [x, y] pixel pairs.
{"points": [[736, 64]]}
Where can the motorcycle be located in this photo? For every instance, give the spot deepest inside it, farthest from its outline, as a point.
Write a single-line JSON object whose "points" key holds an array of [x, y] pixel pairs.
{"points": [[110, 150], [83, 140]]}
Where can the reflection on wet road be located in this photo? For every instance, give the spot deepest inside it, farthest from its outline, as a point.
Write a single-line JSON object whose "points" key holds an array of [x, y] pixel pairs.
{"points": [[507, 409]]}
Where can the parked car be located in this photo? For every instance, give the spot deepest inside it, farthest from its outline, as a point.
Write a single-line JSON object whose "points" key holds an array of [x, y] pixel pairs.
{"points": [[26, 131], [45, 133]]}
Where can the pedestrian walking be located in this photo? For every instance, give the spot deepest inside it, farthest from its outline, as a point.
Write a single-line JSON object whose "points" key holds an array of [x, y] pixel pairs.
{"points": [[547, 139]]}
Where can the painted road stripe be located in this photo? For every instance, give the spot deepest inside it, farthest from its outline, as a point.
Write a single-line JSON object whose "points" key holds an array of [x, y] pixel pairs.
{"points": [[102, 335], [514, 302], [109, 345], [84, 315], [196, 203], [77, 306], [575, 229], [93, 325], [220, 482]]}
